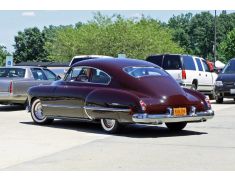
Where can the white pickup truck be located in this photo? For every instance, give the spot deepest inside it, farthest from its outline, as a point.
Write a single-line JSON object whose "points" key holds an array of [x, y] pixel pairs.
{"points": [[15, 82]]}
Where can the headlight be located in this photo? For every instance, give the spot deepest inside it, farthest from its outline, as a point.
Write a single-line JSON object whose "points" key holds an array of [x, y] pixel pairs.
{"points": [[218, 83]]}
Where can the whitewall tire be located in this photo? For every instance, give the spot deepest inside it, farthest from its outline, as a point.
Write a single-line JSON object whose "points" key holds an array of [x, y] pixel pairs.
{"points": [[37, 113], [110, 125]]}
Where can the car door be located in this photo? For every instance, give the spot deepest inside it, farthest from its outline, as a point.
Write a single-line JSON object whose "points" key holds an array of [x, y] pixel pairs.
{"points": [[200, 74], [207, 77], [70, 96]]}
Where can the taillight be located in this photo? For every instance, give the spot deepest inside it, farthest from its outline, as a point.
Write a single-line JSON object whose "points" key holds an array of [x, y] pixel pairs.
{"points": [[11, 87], [183, 74], [207, 99], [143, 105]]}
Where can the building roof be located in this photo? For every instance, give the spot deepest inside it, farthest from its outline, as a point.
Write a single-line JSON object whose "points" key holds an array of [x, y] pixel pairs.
{"points": [[43, 64]]}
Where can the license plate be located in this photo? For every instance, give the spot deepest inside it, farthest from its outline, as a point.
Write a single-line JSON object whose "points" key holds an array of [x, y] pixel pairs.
{"points": [[232, 91], [180, 111]]}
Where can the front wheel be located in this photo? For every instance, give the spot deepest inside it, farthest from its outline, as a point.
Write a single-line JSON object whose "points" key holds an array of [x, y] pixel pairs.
{"points": [[176, 126], [37, 113], [110, 125]]}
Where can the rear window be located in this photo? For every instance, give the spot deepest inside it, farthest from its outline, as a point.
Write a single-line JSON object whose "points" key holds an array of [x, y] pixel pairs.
{"points": [[172, 62], [144, 71], [155, 59], [12, 72], [189, 63]]}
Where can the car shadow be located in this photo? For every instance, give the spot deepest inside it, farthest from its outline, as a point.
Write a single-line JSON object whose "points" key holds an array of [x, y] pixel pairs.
{"points": [[7, 108], [132, 131]]}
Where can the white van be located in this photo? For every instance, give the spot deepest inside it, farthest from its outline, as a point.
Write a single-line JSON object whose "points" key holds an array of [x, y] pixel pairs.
{"points": [[190, 71]]}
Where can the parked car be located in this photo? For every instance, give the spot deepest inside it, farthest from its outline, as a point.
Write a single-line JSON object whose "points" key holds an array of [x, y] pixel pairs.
{"points": [[115, 92], [76, 59], [15, 82], [189, 71], [225, 83]]}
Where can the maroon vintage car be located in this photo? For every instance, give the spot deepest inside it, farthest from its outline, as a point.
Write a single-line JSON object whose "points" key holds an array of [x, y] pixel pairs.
{"points": [[118, 91]]}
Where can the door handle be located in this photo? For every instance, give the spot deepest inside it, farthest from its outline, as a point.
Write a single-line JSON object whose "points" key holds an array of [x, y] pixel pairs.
{"points": [[206, 75], [199, 74]]}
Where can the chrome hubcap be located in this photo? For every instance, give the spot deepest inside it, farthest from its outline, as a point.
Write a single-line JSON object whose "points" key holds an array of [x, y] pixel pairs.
{"points": [[109, 123], [39, 112]]}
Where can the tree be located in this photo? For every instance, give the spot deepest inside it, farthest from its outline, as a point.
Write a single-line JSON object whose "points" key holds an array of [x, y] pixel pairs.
{"points": [[29, 45], [111, 36], [227, 47], [181, 27], [3, 54], [202, 34]]}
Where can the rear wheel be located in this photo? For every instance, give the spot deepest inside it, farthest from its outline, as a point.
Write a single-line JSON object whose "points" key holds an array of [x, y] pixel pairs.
{"points": [[219, 100], [37, 113], [110, 125], [176, 126]]}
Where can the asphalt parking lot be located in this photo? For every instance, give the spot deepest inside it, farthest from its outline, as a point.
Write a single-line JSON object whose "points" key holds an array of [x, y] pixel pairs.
{"points": [[73, 145]]}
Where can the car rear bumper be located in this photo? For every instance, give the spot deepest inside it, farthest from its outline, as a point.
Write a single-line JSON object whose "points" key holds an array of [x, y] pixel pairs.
{"points": [[168, 118]]}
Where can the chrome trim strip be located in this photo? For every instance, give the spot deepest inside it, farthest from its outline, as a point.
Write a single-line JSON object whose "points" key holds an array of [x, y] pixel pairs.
{"points": [[106, 109], [61, 106], [168, 118], [94, 108]]}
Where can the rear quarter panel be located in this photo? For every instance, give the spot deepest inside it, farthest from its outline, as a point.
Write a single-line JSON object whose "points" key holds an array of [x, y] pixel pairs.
{"points": [[112, 99]]}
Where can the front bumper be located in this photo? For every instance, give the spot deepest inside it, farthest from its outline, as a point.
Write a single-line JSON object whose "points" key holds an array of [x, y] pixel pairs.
{"points": [[169, 118]]}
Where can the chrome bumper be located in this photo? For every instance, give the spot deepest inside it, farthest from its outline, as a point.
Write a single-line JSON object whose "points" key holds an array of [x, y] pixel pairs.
{"points": [[168, 118]]}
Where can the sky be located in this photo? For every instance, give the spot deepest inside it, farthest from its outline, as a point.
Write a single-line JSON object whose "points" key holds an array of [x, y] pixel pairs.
{"points": [[15, 20]]}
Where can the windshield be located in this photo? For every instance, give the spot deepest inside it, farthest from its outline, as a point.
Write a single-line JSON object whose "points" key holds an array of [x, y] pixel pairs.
{"points": [[12, 73], [144, 71], [229, 68]]}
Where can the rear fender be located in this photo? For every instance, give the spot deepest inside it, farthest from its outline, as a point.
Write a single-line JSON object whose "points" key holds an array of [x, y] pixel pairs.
{"points": [[111, 104]]}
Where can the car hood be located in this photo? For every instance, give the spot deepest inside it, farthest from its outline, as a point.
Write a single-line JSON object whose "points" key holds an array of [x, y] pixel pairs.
{"points": [[226, 77]]}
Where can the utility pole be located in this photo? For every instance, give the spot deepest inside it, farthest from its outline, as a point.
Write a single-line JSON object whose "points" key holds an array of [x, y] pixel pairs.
{"points": [[215, 38]]}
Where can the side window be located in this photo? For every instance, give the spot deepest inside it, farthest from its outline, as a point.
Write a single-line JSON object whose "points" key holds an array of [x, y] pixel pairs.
{"points": [[38, 74], [73, 74], [99, 77], [50, 75], [189, 63], [199, 65], [205, 65], [155, 60], [89, 75]]}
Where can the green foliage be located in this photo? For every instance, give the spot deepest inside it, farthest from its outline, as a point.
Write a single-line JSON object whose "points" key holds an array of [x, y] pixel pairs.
{"points": [[29, 45], [180, 24], [202, 34], [227, 47], [111, 36], [196, 33], [3, 54]]}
